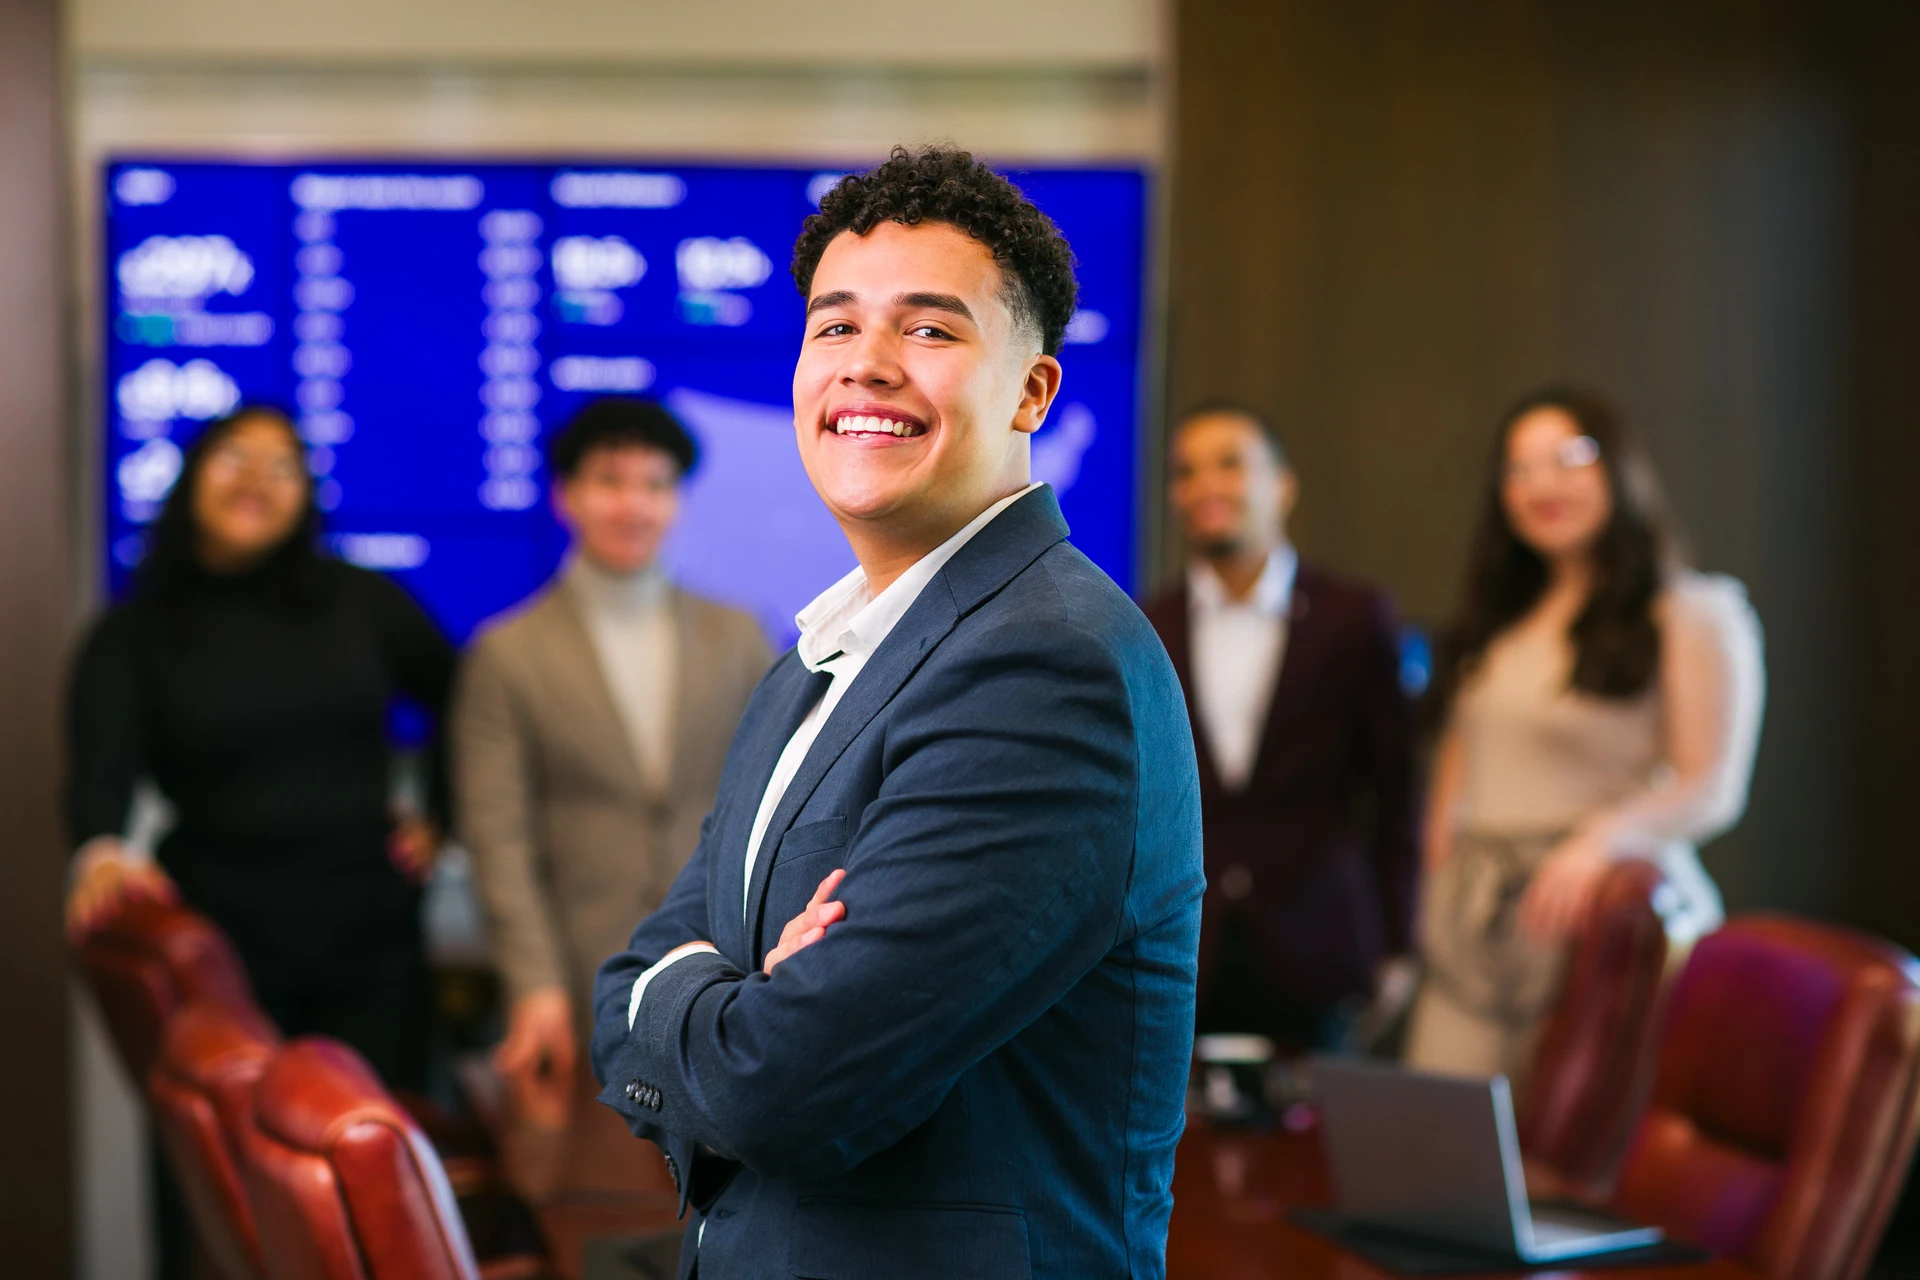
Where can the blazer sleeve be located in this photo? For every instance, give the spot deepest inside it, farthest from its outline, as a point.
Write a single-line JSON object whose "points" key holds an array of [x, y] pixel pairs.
{"points": [[986, 878], [1387, 748], [491, 740]]}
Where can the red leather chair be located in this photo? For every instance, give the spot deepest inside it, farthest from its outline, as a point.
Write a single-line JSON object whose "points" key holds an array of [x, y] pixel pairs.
{"points": [[146, 962], [201, 1092], [1783, 1113], [344, 1184], [1592, 1068]]}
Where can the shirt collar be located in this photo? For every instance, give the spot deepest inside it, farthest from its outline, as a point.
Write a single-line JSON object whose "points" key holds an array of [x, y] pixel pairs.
{"points": [[1272, 593], [848, 618]]}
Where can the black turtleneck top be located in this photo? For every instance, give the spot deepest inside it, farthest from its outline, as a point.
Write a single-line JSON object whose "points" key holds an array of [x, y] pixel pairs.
{"points": [[263, 720]]}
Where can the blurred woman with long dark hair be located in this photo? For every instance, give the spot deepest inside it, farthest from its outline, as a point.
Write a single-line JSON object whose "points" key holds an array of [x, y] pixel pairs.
{"points": [[1600, 701], [249, 678]]}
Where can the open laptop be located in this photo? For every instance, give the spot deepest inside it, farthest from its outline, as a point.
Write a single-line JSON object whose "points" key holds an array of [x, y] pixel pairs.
{"points": [[1439, 1157]]}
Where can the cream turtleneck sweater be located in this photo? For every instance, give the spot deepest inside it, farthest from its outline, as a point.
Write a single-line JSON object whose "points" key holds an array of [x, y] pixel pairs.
{"points": [[630, 620]]}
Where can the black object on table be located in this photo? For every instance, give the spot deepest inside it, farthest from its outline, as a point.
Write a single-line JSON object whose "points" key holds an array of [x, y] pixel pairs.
{"points": [[1407, 1256]]}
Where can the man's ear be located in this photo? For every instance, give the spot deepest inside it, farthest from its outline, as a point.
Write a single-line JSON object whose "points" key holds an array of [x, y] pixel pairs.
{"points": [[1036, 394], [1289, 492], [557, 500]]}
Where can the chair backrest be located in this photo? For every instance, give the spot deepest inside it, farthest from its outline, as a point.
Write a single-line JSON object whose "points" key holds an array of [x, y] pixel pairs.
{"points": [[1593, 1065], [1783, 1113], [149, 960], [344, 1185], [201, 1091]]}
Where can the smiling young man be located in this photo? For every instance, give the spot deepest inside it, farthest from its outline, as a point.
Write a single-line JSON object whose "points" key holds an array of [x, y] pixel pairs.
{"points": [[922, 1002]]}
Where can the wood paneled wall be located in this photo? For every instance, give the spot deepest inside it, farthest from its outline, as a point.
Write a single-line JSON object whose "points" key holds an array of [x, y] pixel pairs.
{"points": [[1392, 217], [1885, 334], [35, 617]]}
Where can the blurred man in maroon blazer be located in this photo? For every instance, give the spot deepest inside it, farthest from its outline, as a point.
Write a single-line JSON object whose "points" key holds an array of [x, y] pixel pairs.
{"points": [[1304, 737]]}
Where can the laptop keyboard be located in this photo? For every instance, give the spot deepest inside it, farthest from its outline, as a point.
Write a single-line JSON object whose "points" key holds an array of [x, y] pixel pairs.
{"points": [[1559, 1224]]}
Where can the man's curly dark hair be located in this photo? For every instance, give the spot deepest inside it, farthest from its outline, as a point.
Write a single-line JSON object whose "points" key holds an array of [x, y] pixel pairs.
{"points": [[944, 184]]}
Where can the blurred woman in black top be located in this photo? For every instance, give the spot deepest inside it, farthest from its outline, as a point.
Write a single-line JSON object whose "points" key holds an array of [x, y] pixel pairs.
{"points": [[249, 677]]}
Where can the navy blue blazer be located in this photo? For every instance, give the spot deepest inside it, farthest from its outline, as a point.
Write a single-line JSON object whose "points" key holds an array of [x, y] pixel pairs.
{"points": [[981, 1071]]}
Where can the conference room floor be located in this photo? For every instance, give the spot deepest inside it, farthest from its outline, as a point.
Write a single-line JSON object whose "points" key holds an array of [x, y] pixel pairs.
{"points": [[589, 1182]]}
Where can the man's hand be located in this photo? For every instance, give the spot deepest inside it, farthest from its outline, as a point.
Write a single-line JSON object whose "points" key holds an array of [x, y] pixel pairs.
{"points": [[811, 924], [539, 1041], [106, 875]]}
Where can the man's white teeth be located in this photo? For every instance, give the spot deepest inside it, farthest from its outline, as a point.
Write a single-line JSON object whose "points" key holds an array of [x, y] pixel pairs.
{"points": [[872, 426]]}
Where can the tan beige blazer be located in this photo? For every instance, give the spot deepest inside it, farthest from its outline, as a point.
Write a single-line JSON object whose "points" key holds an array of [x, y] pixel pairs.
{"points": [[570, 850]]}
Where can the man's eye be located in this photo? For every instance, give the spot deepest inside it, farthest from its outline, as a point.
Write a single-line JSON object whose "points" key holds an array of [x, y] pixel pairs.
{"points": [[839, 328], [928, 331]]}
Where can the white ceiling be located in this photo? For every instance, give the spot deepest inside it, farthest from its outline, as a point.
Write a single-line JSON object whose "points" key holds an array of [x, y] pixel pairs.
{"points": [[847, 33]]}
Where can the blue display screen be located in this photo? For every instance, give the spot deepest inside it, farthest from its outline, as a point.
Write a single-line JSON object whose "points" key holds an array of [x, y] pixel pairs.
{"points": [[430, 324]]}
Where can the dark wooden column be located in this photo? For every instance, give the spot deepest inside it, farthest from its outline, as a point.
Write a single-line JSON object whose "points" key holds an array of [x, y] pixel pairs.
{"points": [[36, 1182], [1883, 40]]}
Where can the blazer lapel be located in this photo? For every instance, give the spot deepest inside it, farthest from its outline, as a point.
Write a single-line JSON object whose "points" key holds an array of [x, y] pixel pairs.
{"points": [[694, 690], [1296, 668], [1007, 545], [794, 695], [898, 656]]}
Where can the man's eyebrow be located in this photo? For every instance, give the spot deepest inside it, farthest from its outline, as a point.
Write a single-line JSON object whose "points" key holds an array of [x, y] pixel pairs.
{"points": [[838, 298], [948, 302], [935, 302]]}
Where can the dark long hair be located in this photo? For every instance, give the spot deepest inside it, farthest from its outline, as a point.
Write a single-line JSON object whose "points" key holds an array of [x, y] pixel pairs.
{"points": [[172, 565], [1616, 643]]}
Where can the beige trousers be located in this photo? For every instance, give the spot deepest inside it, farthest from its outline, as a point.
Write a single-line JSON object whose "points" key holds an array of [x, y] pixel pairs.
{"points": [[1445, 1037], [1489, 986]]}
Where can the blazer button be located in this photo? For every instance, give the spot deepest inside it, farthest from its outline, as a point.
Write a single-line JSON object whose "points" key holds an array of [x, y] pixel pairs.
{"points": [[633, 1091], [653, 1099], [674, 1170]]}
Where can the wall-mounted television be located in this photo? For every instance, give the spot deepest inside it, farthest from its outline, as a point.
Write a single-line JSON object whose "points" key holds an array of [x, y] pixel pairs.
{"points": [[429, 324]]}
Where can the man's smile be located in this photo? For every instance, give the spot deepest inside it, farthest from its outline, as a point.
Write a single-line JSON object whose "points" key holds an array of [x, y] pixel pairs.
{"points": [[874, 422]]}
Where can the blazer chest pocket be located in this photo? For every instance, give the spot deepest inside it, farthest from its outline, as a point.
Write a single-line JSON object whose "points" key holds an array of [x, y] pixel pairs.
{"points": [[856, 1240], [810, 838], [802, 860]]}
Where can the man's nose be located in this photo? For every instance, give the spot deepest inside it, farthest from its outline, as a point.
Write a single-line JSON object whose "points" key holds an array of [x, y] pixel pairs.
{"points": [[873, 362]]}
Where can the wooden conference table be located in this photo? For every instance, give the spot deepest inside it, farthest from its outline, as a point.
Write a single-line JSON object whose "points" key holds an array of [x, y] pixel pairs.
{"points": [[588, 1180]]}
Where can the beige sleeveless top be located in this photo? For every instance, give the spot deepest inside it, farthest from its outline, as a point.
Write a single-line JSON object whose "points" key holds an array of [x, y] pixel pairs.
{"points": [[1540, 757]]}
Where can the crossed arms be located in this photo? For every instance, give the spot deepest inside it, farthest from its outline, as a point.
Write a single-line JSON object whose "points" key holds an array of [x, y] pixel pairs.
{"points": [[985, 878]]}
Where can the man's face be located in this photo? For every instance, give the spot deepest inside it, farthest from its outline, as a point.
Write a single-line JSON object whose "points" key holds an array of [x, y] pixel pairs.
{"points": [[915, 390], [620, 503], [1227, 487]]}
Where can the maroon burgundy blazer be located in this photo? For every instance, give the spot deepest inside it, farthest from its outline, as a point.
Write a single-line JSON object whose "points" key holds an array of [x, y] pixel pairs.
{"points": [[1326, 826]]}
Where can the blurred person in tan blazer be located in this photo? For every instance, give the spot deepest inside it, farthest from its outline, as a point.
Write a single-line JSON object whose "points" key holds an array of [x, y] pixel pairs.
{"points": [[589, 729]]}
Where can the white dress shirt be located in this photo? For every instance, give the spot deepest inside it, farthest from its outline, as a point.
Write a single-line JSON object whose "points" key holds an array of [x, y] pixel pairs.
{"points": [[1238, 646], [839, 631], [630, 621]]}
